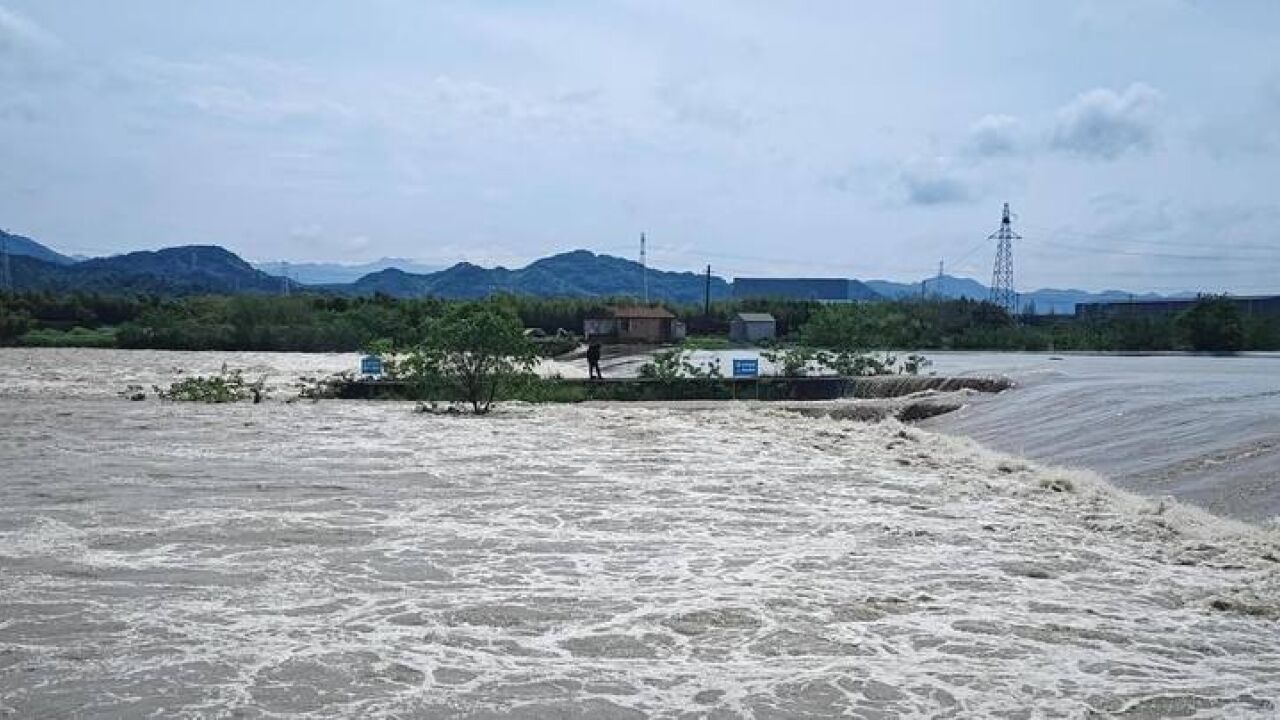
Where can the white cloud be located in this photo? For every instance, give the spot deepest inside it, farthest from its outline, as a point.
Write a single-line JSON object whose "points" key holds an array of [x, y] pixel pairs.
{"points": [[18, 34], [933, 182], [1103, 124], [994, 136], [698, 105]]}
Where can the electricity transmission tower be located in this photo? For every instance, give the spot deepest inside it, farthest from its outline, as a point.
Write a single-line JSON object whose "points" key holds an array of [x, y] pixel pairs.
{"points": [[1002, 293]]}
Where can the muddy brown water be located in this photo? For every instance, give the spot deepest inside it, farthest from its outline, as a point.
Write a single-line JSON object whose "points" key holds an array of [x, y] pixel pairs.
{"points": [[347, 559]]}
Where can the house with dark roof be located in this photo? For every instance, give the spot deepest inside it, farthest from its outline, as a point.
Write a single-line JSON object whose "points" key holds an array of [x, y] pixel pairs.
{"points": [[634, 324]]}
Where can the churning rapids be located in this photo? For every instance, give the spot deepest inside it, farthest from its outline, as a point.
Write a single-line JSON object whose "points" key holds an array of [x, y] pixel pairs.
{"points": [[351, 559]]}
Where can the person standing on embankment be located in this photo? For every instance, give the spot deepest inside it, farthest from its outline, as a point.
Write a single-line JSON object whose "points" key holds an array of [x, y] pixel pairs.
{"points": [[593, 362]]}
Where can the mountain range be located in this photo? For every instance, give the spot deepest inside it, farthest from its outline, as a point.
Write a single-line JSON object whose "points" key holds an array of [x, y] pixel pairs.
{"points": [[338, 273], [579, 273], [198, 269], [188, 270], [1047, 301], [26, 247]]}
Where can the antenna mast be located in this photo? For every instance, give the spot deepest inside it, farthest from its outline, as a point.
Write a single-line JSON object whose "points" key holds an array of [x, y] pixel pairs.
{"points": [[1002, 293], [644, 271]]}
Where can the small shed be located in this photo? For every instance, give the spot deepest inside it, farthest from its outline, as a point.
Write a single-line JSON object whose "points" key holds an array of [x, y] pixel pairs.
{"points": [[637, 324], [749, 327]]}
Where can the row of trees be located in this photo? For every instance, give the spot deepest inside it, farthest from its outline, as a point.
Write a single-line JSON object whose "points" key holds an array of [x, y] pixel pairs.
{"points": [[322, 323], [1211, 324]]}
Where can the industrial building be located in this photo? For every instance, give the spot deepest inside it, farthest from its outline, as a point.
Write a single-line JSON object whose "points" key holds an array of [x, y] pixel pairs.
{"points": [[1248, 304], [821, 289], [747, 327], [634, 325]]}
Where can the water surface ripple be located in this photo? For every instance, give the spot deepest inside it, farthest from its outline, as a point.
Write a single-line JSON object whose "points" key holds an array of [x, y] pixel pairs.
{"points": [[345, 559]]}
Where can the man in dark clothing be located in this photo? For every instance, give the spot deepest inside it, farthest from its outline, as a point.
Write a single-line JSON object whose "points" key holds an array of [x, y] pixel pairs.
{"points": [[593, 361]]}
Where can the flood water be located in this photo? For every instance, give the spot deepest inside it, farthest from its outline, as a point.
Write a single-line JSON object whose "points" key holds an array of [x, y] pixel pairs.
{"points": [[1203, 429], [348, 559]]}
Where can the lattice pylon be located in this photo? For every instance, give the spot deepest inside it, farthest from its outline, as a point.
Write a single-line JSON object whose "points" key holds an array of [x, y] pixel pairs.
{"points": [[1002, 293]]}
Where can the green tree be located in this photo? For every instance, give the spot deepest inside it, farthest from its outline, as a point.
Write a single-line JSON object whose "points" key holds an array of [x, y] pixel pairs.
{"points": [[475, 351], [1214, 323]]}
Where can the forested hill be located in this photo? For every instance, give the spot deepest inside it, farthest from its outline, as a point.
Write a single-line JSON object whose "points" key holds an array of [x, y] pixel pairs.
{"points": [[189, 270], [573, 274], [17, 245], [210, 269], [206, 269]]}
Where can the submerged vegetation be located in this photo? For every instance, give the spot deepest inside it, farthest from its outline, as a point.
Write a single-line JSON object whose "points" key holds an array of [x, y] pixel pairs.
{"points": [[227, 386]]}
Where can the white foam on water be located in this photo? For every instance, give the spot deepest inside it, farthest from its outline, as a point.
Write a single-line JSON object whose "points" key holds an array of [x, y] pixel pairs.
{"points": [[357, 559]]}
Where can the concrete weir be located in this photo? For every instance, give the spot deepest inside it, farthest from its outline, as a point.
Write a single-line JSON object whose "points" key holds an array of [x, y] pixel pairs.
{"points": [[763, 388]]}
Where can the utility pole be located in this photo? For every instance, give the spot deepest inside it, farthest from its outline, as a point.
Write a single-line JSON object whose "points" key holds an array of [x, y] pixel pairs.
{"points": [[937, 288], [1002, 275], [644, 271], [284, 279], [6, 276], [706, 303]]}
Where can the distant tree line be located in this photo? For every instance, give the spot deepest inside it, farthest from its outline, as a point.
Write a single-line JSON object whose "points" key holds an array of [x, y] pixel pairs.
{"points": [[324, 323]]}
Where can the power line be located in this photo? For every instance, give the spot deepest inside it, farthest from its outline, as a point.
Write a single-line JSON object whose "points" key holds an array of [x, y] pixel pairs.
{"points": [[1091, 249], [1046, 232]]}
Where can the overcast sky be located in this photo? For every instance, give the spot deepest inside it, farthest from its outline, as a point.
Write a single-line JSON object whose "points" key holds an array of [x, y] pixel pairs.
{"points": [[1138, 142]]}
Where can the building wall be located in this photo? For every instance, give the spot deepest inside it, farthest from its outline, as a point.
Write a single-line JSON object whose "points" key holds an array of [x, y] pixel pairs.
{"points": [[743, 331], [599, 327], [792, 288], [644, 329], [647, 330], [1149, 308]]}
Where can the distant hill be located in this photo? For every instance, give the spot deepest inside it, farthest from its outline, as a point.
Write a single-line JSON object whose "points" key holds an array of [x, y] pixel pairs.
{"points": [[1063, 302], [1043, 302], [580, 273], [338, 273], [197, 269], [25, 246], [951, 287], [189, 270]]}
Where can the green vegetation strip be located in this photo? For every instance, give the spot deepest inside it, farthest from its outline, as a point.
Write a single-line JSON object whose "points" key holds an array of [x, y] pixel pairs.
{"points": [[330, 323]]}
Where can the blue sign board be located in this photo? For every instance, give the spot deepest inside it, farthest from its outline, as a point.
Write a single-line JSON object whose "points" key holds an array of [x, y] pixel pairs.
{"points": [[746, 367], [370, 365]]}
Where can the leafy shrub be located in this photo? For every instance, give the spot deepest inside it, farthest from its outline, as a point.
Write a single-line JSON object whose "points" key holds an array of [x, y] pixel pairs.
{"points": [[474, 353], [671, 365]]}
